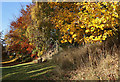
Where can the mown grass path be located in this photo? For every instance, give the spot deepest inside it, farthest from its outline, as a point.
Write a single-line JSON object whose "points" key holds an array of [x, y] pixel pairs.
{"points": [[27, 71]]}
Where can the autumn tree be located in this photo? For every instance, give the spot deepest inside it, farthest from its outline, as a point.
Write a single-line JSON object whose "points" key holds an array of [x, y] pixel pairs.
{"points": [[86, 21], [16, 40], [41, 31]]}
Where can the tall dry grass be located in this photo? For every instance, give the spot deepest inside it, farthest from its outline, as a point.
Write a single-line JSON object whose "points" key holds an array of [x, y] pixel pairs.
{"points": [[89, 55]]}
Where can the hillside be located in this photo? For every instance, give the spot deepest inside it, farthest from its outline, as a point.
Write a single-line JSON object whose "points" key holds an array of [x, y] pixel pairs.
{"points": [[97, 61]]}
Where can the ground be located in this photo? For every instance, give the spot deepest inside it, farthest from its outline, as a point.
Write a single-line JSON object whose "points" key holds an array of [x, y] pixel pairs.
{"points": [[27, 72]]}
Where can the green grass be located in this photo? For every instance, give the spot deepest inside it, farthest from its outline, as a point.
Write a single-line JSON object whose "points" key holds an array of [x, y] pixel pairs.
{"points": [[27, 71]]}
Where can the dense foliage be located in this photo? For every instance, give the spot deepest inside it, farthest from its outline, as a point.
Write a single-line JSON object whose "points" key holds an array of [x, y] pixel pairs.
{"points": [[86, 21], [42, 24], [41, 32], [16, 40]]}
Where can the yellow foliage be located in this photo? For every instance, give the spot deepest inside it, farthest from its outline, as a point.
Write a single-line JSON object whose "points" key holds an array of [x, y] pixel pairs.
{"points": [[92, 17]]}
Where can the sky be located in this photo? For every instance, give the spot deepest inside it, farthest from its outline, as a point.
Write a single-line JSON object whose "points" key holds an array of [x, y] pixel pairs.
{"points": [[9, 11]]}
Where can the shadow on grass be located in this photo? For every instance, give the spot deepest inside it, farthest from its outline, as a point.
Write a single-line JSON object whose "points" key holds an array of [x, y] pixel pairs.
{"points": [[26, 72]]}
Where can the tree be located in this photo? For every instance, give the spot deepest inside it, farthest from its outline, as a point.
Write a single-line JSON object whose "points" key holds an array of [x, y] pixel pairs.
{"points": [[41, 31], [16, 40], [85, 21]]}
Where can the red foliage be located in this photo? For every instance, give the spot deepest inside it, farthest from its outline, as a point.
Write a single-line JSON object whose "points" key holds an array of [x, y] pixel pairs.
{"points": [[18, 41], [32, 55], [11, 31], [13, 23]]}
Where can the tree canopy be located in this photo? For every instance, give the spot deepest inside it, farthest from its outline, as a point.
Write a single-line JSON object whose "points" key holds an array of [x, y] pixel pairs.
{"points": [[68, 22]]}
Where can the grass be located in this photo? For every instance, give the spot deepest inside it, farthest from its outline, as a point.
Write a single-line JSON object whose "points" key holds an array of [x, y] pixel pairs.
{"points": [[97, 61], [27, 71], [89, 62], [106, 70]]}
